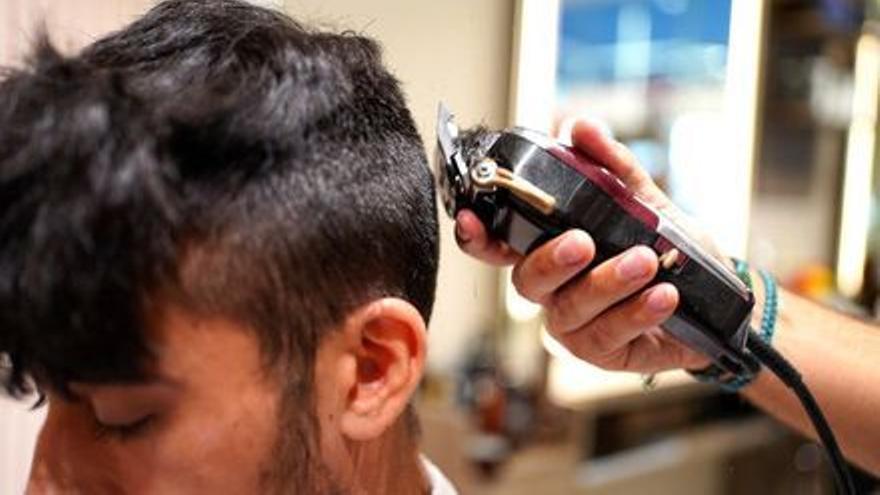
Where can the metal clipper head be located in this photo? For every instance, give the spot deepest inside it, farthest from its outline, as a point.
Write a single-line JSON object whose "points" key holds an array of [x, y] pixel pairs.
{"points": [[451, 169]]}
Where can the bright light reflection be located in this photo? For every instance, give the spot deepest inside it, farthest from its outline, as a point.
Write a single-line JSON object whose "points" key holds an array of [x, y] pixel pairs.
{"points": [[860, 153]]}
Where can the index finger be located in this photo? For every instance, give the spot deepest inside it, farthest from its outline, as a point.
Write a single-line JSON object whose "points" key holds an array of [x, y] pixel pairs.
{"points": [[590, 139]]}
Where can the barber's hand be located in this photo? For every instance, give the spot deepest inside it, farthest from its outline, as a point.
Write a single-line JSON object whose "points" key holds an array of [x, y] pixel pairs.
{"points": [[608, 316]]}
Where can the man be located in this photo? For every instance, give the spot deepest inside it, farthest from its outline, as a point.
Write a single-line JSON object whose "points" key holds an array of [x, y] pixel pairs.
{"points": [[218, 254]]}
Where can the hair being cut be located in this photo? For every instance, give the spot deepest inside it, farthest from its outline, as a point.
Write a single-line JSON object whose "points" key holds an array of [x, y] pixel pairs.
{"points": [[216, 154]]}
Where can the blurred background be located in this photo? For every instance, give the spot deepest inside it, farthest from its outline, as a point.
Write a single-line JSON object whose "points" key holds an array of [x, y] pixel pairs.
{"points": [[759, 117]]}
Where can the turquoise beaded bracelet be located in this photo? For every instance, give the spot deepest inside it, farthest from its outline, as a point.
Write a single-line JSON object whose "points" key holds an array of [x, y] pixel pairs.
{"points": [[771, 307]]}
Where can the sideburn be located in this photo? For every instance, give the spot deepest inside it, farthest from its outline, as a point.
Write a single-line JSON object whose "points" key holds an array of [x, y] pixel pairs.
{"points": [[296, 465]]}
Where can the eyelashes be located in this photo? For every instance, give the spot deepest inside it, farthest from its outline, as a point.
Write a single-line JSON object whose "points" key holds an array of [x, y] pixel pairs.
{"points": [[123, 432]]}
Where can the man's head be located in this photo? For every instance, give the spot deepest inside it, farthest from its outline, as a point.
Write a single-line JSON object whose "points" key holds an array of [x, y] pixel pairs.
{"points": [[218, 252]]}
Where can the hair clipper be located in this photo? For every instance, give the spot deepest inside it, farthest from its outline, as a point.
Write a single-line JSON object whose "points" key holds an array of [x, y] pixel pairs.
{"points": [[529, 188]]}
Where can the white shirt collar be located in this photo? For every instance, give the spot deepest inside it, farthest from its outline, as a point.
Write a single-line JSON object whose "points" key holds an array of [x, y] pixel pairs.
{"points": [[440, 484]]}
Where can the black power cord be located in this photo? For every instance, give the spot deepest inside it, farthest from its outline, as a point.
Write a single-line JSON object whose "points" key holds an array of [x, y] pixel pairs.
{"points": [[779, 366]]}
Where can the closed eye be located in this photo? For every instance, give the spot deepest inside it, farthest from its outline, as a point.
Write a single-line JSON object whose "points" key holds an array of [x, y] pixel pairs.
{"points": [[123, 432]]}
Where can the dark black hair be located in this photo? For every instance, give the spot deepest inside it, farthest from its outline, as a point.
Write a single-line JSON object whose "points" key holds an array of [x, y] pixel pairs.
{"points": [[215, 154]]}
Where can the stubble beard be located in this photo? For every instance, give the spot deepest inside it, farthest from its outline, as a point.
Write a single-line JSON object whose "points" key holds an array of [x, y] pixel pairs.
{"points": [[296, 465]]}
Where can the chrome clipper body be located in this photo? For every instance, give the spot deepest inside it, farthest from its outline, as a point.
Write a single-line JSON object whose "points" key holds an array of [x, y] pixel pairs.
{"points": [[528, 188]]}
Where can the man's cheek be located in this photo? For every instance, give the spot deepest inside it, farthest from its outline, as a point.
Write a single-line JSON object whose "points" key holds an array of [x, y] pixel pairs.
{"points": [[218, 450]]}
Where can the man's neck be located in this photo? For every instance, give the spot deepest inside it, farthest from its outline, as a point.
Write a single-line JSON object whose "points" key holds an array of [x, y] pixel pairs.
{"points": [[390, 464]]}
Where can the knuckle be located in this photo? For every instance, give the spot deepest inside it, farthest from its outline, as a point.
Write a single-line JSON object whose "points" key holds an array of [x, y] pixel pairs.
{"points": [[600, 286], [579, 347], [601, 338], [626, 156], [574, 305], [617, 361], [555, 319]]}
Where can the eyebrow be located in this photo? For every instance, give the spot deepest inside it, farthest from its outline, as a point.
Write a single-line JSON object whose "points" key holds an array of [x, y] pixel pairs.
{"points": [[148, 381]]}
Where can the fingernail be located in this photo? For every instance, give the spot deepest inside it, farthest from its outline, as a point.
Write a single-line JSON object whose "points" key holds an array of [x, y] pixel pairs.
{"points": [[660, 299], [571, 250], [460, 233], [633, 266]]}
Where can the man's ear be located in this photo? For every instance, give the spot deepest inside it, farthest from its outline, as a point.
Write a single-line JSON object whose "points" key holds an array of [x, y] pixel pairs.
{"points": [[389, 343]]}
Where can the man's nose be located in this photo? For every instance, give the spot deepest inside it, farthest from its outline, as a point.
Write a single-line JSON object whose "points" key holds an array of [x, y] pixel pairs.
{"points": [[52, 478], [46, 476], [67, 459], [41, 482]]}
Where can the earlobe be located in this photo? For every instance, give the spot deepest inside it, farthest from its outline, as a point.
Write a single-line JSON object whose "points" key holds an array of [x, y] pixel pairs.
{"points": [[390, 358]]}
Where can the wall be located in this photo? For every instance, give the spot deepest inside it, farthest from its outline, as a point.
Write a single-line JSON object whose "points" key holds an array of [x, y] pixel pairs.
{"points": [[457, 51], [71, 23]]}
